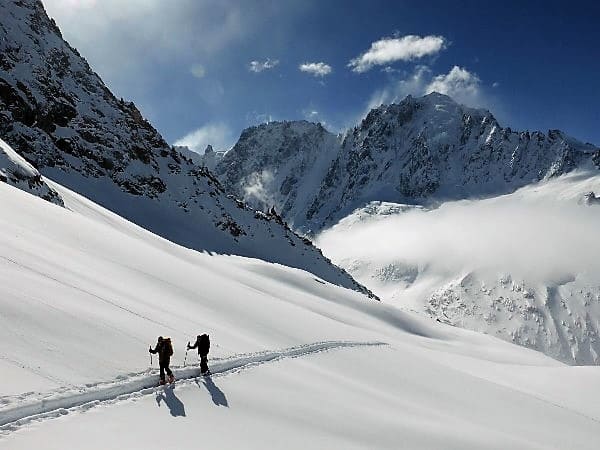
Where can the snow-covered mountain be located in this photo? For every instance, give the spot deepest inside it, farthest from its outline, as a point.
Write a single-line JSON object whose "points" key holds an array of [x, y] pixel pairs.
{"points": [[383, 193], [281, 164], [58, 114], [296, 363], [522, 267], [421, 150], [17, 172]]}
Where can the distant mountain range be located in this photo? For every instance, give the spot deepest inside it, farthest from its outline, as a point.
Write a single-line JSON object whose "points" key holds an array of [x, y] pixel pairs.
{"points": [[420, 151], [404, 161]]}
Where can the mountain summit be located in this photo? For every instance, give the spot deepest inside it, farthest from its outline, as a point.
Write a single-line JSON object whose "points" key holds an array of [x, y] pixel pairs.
{"points": [[420, 150]]}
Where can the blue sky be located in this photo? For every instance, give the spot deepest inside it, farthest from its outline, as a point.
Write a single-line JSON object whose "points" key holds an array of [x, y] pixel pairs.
{"points": [[203, 70]]}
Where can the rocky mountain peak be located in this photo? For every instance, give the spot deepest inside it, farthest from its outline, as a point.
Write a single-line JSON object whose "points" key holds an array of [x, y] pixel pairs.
{"points": [[420, 150]]}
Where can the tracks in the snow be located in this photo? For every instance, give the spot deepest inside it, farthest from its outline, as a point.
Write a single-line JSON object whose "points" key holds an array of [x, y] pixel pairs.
{"points": [[57, 404]]}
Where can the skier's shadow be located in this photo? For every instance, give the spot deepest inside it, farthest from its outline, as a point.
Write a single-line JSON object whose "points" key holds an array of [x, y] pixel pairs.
{"points": [[176, 406], [217, 395]]}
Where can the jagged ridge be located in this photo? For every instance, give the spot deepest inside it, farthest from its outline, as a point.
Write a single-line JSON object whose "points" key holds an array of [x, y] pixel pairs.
{"points": [[418, 151]]}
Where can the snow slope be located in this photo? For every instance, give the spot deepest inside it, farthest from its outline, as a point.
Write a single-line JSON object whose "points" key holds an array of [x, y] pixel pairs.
{"points": [[298, 362], [58, 114], [522, 267]]}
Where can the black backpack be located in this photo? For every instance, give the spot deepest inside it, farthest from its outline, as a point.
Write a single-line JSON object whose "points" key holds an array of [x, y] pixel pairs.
{"points": [[203, 344]]}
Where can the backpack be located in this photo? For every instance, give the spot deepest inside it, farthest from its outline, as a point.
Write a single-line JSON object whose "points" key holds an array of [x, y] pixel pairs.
{"points": [[168, 347], [203, 344]]}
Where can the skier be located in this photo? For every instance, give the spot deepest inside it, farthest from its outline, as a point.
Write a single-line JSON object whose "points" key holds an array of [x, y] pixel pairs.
{"points": [[203, 345], [164, 348]]}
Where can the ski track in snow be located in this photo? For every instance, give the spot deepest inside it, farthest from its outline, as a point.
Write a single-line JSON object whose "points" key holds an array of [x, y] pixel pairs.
{"points": [[17, 411]]}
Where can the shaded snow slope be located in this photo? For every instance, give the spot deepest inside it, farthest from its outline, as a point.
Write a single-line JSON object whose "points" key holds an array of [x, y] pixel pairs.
{"points": [[17, 172], [84, 292], [522, 267], [58, 114], [419, 151]]}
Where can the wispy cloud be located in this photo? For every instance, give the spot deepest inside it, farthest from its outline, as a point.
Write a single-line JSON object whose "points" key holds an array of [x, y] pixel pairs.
{"points": [[258, 188], [459, 83], [116, 35], [520, 233], [318, 69], [407, 84], [314, 115], [260, 66], [198, 70], [389, 50], [257, 117], [217, 134]]}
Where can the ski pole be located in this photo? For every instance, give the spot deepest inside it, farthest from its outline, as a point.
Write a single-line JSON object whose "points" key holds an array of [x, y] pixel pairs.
{"points": [[185, 358]]}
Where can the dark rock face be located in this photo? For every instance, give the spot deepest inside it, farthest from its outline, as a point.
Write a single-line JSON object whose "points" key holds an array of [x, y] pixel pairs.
{"points": [[421, 150], [58, 114]]}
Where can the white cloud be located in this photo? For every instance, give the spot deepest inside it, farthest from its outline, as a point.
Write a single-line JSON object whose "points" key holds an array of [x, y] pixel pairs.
{"points": [[459, 84], [217, 134], [198, 70], [410, 84], [313, 115], [388, 50], [319, 69], [257, 118], [260, 66], [463, 86], [532, 234], [258, 187]]}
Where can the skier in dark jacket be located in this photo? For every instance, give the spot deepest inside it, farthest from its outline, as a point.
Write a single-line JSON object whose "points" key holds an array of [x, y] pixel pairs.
{"points": [[203, 345], [164, 348]]}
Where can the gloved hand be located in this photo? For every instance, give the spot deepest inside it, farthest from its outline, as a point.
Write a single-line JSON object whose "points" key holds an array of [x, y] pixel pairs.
{"points": [[189, 346], [150, 349]]}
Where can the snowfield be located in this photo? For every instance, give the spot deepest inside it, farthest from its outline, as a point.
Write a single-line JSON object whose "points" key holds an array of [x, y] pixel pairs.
{"points": [[297, 362]]}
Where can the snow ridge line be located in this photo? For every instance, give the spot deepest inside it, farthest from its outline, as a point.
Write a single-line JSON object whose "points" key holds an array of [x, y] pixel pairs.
{"points": [[89, 396]]}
